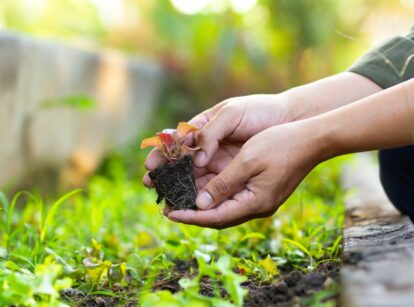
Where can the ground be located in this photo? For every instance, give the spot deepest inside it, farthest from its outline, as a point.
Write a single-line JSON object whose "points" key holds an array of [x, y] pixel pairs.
{"points": [[109, 243]]}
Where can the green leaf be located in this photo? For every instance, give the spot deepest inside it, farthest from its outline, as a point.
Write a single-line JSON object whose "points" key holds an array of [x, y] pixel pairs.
{"points": [[117, 273], [232, 281], [4, 201], [12, 266], [253, 235], [269, 266], [80, 102], [10, 211], [52, 212], [298, 245], [96, 272]]}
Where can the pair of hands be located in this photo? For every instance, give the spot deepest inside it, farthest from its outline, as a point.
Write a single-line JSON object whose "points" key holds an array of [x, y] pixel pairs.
{"points": [[252, 157]]}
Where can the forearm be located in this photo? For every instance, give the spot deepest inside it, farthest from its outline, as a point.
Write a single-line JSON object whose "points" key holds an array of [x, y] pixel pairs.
{"points": [[327, 94], [380, 121]]}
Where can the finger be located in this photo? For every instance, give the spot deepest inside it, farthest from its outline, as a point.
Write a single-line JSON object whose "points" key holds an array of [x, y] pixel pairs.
{"points": [[225, 184], [200, 121], [225, 154], [223, 157], [230, 213], [147, 181], [221, 125], [155, 159], [202, 181], [200, 172], [204, 117], [167, 210]]}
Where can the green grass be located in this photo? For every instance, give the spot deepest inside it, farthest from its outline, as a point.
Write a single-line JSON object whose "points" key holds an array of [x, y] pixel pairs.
{"points": [[111, 239]]}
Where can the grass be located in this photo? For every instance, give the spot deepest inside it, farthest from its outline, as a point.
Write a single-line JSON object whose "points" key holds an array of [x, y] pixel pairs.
{"points": [[110, 239]]}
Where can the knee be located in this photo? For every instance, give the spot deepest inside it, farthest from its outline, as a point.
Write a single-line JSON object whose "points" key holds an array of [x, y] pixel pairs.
{"points": [[397, 177]]}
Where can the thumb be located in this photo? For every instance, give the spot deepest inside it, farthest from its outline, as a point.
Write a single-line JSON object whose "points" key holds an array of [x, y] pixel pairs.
{"points": [[221, 125], [224, 185]]}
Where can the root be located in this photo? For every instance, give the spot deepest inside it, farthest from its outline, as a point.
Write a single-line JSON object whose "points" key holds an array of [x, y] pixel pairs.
{"points": [[175, 183]]}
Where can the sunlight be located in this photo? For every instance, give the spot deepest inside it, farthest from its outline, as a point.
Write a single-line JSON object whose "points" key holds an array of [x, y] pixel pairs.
{"points": [[243, 6], [193, 7], [407, 3], [110, 11], [36, 6], [190, 6]]}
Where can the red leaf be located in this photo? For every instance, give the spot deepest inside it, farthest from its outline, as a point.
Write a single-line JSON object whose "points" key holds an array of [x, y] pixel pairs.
{"points": [[167, 139]]}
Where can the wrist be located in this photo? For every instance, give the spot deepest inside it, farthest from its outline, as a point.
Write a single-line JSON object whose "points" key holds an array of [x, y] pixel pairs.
{"points": [[321, 138], [292, 106], [297, 104]]}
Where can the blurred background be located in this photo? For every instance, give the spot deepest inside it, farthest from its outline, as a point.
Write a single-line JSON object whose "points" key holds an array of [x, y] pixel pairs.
{"points": [[188, 54]]}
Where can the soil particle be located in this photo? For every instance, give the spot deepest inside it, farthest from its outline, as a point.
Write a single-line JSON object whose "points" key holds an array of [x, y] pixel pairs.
{"points": [[175, 182], [290, 289], [310, 282], [293, 278]]}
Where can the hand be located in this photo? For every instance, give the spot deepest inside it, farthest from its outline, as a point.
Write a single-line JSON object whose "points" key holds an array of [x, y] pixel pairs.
{"points": [[260, 178], [224, 128]]}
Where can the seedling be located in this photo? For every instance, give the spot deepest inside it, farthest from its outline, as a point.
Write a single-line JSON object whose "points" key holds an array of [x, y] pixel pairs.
{"points": [[171, 141], [174, 181]]}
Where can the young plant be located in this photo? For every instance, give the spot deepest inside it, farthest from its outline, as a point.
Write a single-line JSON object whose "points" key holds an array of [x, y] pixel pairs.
{"points": [[174, 181], [171, 141]]}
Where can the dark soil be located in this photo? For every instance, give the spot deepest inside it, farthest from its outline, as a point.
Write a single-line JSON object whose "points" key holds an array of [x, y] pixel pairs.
{"points": [[174, 182], [290, 289], [293, 288]]}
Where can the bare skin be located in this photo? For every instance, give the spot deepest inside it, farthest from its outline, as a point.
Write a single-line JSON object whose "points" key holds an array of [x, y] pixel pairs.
{"points": [[277, 151], [235, 120]]}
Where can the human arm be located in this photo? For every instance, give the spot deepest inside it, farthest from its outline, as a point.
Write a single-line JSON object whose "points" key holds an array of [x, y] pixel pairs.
{"points": [[237, 119], [382, 67], [271, 164]]}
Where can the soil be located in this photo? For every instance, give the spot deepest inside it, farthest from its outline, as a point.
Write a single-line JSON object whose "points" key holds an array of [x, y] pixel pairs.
{"points": [[175, 182], [291, 288]]}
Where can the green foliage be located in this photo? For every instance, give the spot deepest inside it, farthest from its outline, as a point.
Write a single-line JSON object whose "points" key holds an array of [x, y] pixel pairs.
{"points": [[190, 295], [217, 53], [112, 236], [47, 219], [25, 288], [79, 102]]}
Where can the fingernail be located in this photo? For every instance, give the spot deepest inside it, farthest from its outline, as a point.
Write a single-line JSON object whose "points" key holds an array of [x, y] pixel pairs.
{"points": [[204, 200], [200, 157]]}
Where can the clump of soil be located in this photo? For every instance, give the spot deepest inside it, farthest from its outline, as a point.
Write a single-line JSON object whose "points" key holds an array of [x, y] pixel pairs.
{"points": [[175, 182], [291, 289]]}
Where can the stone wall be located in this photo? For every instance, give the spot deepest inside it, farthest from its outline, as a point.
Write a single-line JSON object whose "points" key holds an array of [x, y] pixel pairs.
{"points": [[35, 135]]}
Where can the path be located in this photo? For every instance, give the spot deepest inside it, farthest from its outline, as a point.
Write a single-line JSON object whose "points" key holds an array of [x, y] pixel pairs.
{"points": [[378, 265]]}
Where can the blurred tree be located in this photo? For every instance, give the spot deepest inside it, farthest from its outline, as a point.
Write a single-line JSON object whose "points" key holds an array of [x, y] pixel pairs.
{"points": [[218, 48]]}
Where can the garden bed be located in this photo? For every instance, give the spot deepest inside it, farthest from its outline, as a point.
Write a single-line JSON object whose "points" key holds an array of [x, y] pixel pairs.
{"points": [[109, 244], [290, 288]]}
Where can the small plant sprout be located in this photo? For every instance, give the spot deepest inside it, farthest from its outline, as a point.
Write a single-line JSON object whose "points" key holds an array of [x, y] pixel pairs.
{"points": [[171, 141], [174, 181]]}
